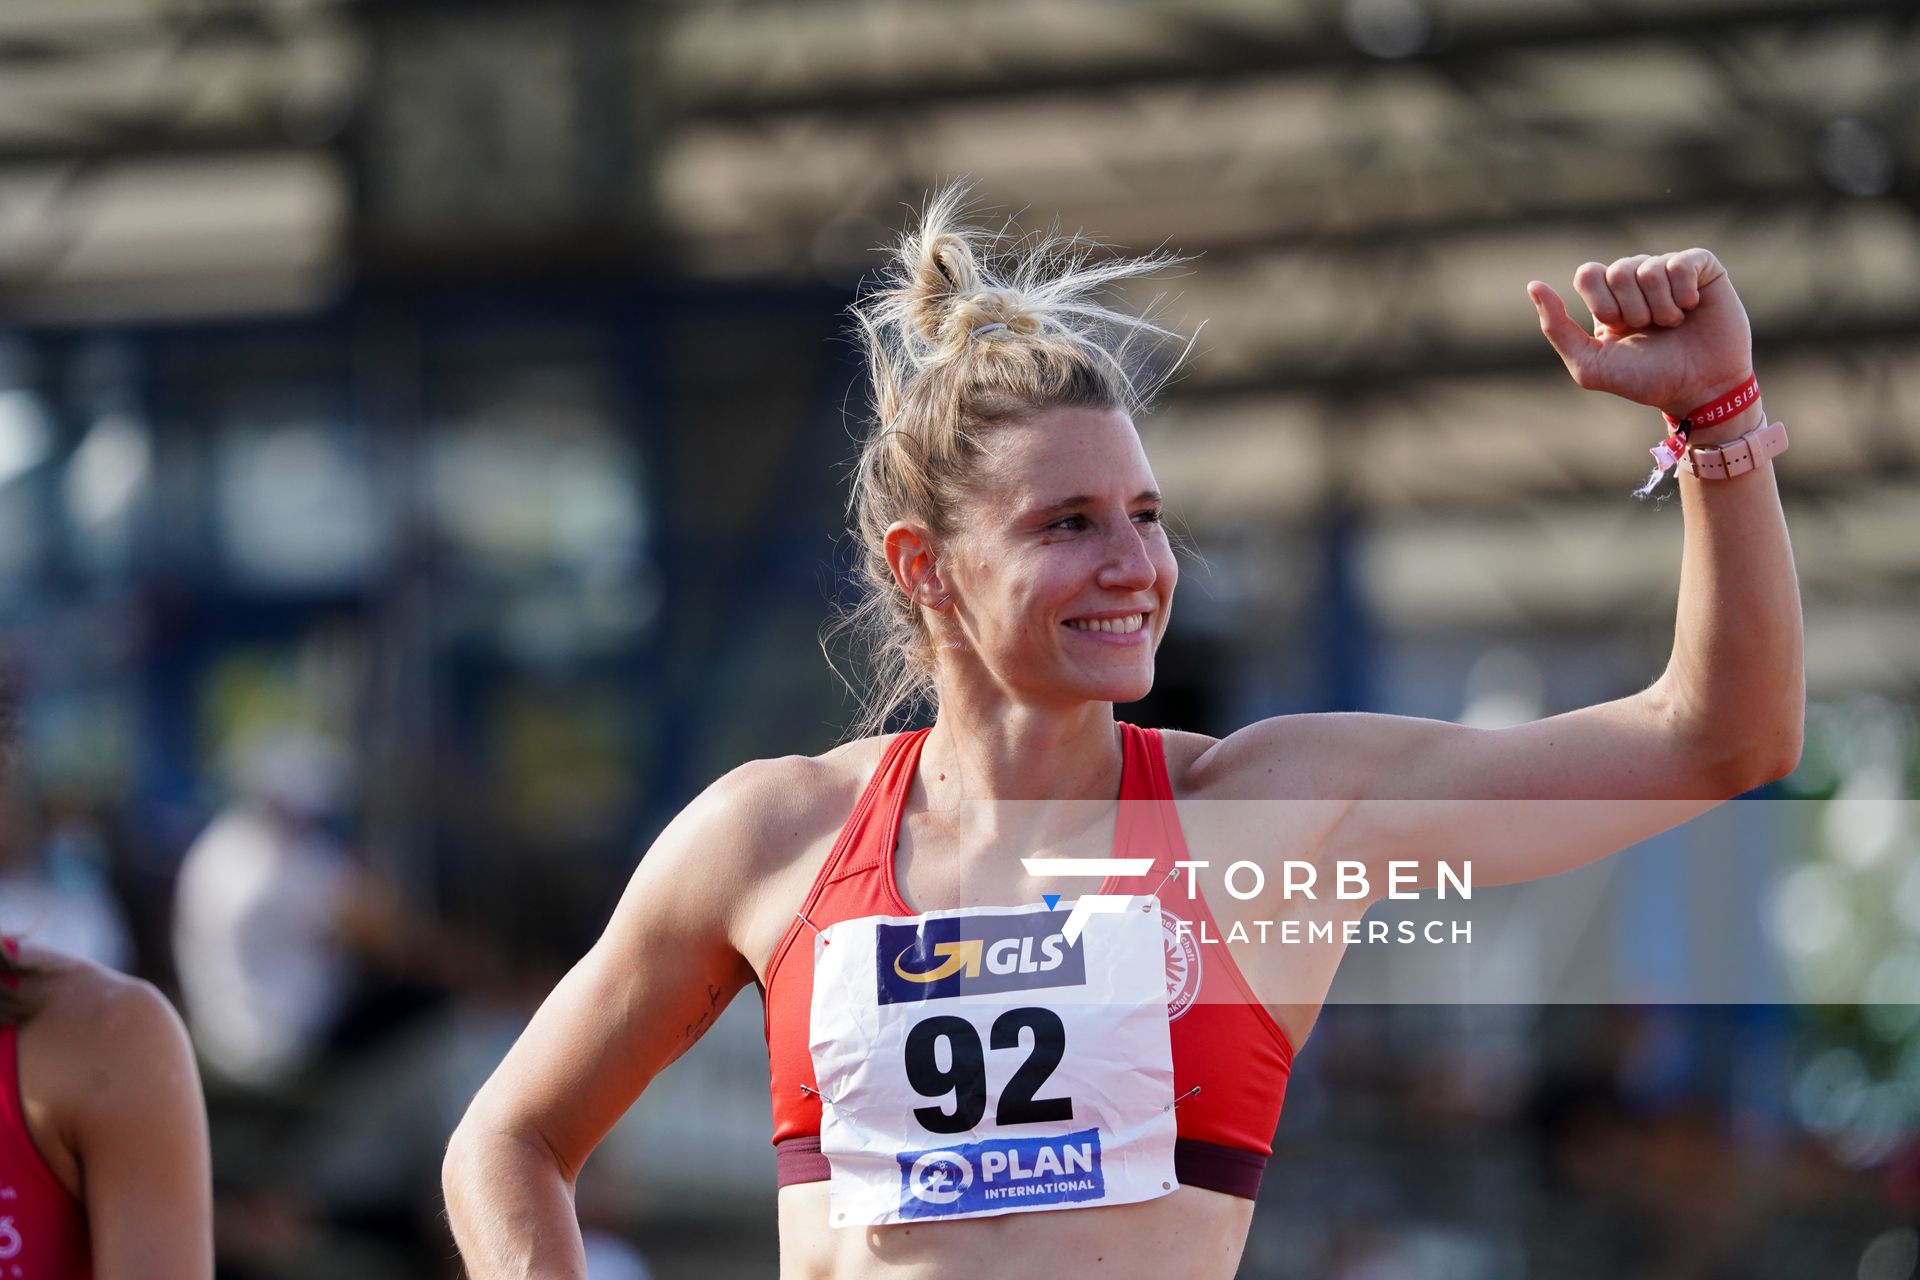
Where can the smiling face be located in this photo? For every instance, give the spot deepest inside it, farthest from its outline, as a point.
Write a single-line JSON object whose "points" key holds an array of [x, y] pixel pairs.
{"points": [[1059, 573]]}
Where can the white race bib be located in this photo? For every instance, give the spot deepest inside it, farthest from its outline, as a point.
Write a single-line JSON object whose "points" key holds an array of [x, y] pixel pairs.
{"points": [[971, 1063]]}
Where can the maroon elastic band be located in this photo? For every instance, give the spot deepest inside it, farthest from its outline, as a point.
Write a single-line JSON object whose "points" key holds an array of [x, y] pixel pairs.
{"points": [[799, 1160]]}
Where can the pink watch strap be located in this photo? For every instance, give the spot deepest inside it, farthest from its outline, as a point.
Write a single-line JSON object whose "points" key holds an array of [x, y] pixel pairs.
{"points": [[1736, 457]]}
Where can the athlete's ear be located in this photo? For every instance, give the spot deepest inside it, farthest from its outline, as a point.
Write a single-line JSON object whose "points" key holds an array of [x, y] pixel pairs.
{"points": [[914, 557]]}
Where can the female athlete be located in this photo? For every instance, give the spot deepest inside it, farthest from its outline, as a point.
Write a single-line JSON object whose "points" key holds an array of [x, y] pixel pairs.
{"points": [[104, 1165], [962, 1082]]}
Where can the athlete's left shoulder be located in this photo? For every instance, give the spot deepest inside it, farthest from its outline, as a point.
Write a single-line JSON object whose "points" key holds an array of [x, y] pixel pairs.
{"points": [[1289, 757], [1184, 750]]}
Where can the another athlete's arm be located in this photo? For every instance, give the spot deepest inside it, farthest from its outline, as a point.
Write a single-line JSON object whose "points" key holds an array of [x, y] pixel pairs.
{"points": [[660, 975], [119, 1074], [1724, 717]]}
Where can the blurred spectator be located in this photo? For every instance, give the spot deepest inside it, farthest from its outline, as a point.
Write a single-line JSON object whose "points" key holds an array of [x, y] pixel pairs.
{"points": [[259, 912], [54, 885]]}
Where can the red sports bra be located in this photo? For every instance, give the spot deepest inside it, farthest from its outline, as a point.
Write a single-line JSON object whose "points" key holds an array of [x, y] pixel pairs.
{"points": [[43, 1229], [1230, 1059]]}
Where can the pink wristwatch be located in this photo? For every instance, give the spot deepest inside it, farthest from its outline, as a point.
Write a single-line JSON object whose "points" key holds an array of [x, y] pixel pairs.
{"points": [[1735, 457]]}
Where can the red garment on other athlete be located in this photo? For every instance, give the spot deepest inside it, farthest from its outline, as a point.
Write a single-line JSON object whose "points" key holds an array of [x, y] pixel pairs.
{"points": [[1225, 1043], [43, 1229]]}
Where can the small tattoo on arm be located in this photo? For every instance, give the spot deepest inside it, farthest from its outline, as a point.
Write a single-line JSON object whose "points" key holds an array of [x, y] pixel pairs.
{"points": [[698, 1027]]}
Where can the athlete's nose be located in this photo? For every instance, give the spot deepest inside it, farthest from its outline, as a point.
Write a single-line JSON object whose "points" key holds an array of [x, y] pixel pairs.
{"points": [[1127, 566]]}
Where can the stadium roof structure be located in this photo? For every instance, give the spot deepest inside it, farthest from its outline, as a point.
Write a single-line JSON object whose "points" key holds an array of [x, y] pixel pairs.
{"points": [[1367, 186]]}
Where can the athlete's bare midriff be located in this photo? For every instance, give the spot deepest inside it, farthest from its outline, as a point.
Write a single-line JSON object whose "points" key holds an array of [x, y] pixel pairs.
{"points": [[1191, 1233]]}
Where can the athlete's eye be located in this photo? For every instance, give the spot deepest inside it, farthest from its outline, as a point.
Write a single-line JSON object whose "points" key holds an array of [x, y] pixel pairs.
{"points": [[1080, 522]]}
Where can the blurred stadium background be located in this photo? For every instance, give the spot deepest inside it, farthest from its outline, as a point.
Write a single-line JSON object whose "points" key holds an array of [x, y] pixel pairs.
{"points": [[422, 439]]}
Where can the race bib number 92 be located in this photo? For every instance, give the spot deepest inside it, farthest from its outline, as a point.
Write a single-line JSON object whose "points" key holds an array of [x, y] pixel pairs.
{"points": [[972, 1062]]}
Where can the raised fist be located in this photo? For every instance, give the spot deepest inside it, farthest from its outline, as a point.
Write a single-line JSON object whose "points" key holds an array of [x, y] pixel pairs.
{"points": [[1669, 331]]}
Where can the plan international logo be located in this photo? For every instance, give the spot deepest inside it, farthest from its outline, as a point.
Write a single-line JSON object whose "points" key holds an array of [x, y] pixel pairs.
{"points": [[1001, 1171], [976, 955]]}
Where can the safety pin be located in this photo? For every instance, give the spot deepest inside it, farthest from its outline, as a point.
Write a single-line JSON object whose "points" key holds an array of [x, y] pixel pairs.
{"points": [[1170, 1106], [824, 940], [805, 1088]]}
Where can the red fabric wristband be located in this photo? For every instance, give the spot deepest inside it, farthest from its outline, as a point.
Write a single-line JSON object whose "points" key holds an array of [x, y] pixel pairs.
{"points": [[1717, 410], [1669, 450]]}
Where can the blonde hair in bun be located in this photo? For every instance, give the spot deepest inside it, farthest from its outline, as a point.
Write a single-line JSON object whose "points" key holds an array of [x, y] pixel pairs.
{"points": [[965, 330]]}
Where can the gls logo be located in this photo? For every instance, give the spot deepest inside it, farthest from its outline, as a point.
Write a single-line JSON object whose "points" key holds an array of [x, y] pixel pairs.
{"points": [[1008, 955], [967, 955]]}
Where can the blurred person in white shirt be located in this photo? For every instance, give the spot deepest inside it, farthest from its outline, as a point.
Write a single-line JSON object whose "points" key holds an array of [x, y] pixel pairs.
{"points": [[259, 910]]}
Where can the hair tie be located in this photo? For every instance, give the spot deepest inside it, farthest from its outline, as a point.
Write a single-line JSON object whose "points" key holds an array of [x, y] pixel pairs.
{"points": [[990, 327]]}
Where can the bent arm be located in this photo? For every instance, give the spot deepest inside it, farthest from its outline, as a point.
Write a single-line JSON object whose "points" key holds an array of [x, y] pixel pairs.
{"points": [[656, 980], [510, 1200], [1725, 716], [1671, 333]]}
